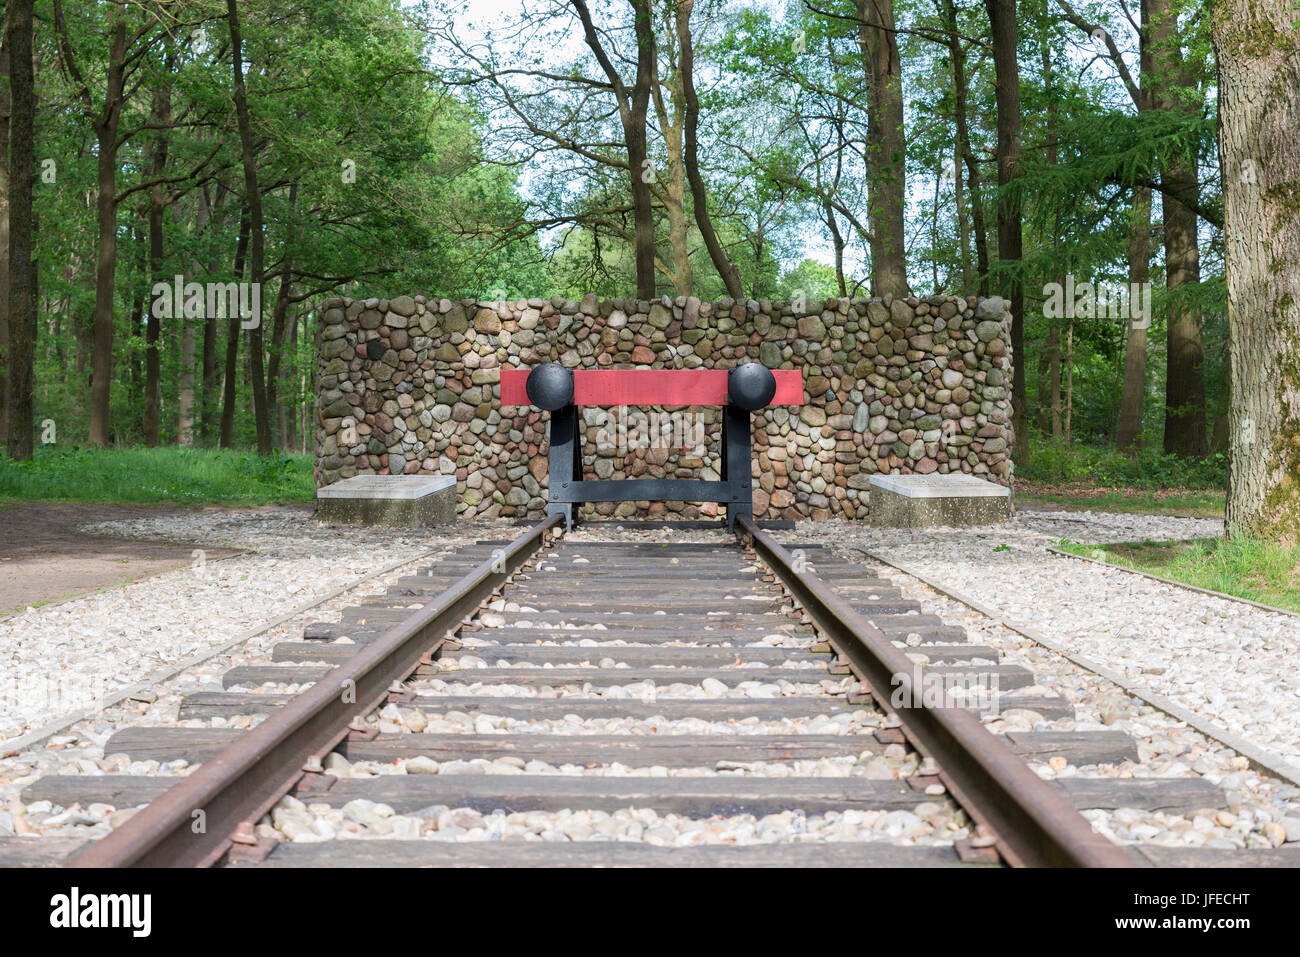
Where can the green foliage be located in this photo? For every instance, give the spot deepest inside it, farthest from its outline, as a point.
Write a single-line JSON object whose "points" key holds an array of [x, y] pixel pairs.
{"points": [[817, 280], [187, 476], [1052, 462]]}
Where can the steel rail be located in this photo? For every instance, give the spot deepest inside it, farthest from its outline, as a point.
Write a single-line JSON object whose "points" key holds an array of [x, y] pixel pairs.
{"points": [[193, 823], [1033, 824]]}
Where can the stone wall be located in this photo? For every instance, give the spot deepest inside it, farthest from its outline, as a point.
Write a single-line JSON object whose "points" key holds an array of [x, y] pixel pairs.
{"points": [[918, 385]]}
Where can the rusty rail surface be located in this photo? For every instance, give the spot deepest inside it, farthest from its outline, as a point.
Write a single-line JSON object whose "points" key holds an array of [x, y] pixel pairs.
{"points": [[195, 822], [1034, 826]]}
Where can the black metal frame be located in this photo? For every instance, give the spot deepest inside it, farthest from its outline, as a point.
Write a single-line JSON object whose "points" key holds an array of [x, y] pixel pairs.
{"points": [[568, 490]]}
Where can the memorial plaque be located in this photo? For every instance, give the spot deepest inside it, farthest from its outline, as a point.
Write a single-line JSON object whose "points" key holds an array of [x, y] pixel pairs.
{"points": [[401, 500], [925, 501]]}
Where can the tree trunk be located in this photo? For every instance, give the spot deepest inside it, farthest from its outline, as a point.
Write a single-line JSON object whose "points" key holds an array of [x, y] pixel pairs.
{"points": [[277, 323], [1258, 55], [1054, 377], [4, 231], [231, 375], [157, 164], [254, 199], [207, 406], [675, 188], [1069, 384], [1128, 433], [1002, 18], [837, 239], [106, 252], [964, 152], [699, 192], [1185, 378], [185, 395], [22, 271], [275, 366], [886, 148], [1184, 432]]}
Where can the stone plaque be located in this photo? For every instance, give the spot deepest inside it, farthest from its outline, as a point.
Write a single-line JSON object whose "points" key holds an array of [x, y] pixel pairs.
{"points": [[400, 500], [924, 501]]}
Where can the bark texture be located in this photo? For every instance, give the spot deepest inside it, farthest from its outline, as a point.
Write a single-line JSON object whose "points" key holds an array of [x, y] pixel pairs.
{"points": [[1258, 54], [886, 165], [22, 268]]}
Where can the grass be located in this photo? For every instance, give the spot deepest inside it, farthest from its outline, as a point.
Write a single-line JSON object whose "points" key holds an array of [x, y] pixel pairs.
{"points": [[1206, 503], [1245, 568], [1101, 479], [144, 475]]}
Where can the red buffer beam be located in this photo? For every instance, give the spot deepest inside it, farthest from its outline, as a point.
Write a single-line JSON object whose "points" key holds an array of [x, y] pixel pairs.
{"points": [[609, 387]]}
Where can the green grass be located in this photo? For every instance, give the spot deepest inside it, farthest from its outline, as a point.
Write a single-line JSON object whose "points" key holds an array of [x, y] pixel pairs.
{"points": [[1101, 479], [144, 475], [1246, 568], [1208, 503]]}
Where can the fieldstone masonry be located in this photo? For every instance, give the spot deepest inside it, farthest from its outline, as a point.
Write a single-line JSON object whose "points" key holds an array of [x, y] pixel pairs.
{"points": [[411, 386]]}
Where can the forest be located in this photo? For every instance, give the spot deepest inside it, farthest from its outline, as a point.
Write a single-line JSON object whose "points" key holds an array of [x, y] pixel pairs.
{"points": [[185, 181]]}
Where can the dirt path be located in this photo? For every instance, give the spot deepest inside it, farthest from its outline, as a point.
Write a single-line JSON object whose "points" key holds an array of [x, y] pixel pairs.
{"points": [[43, 557]]}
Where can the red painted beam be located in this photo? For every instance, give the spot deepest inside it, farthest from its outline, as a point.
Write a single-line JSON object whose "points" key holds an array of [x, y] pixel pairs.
{"points": [[609, 387]]}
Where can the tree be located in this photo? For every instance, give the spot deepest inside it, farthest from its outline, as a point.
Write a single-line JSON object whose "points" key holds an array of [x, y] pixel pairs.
{"points": [[633, 104], [699, 192], [1176, 75], [886, 146], [1002, 19], [1258, 51], [257, 238], [4, 229], [22, 271]]}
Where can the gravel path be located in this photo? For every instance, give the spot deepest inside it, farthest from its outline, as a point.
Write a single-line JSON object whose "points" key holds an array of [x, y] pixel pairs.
{"points": [[1225, 660], [61, 659]]}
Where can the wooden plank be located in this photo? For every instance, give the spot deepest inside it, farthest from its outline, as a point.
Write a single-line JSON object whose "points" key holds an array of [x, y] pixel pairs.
{"points": [[609, 387], [169, 744], [1049, 707], [1001, 677], [1147, 794], [117, 790], [530, 636], [719, 618], [208, 704], [38, 851], [672, 708], [690, 796], [1153, 856], [388, 853], [686, 795], [580, 603], [605, 677], [1077, 747], [197, 744], [633, 751], [633, 655], [254, 675], [307, 651], [945, 652], [313, 651]]}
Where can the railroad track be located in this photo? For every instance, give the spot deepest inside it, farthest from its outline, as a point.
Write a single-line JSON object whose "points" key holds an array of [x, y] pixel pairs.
{"points": [[619, 684]]}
